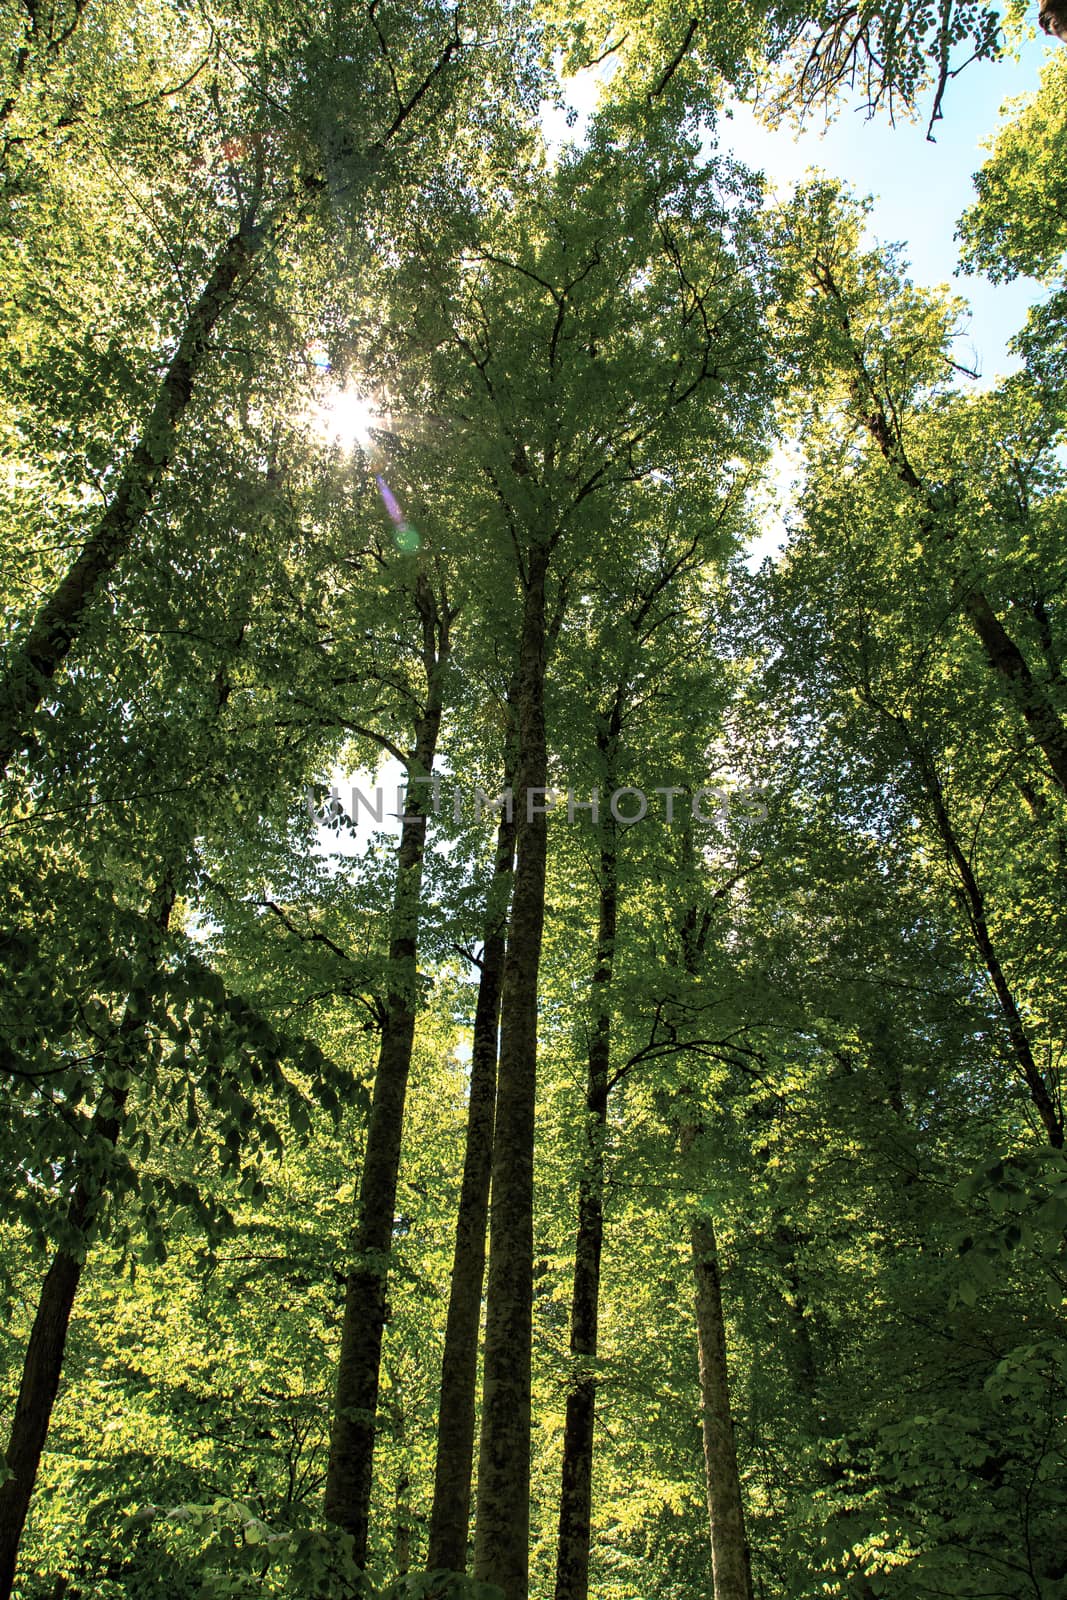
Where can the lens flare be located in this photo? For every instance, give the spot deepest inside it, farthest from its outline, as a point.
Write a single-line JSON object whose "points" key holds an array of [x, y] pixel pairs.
{"points": [[407, 538], [345, 418]]}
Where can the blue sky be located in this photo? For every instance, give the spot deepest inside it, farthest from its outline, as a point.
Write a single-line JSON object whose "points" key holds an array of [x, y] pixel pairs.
{"points": [[919, 188]]}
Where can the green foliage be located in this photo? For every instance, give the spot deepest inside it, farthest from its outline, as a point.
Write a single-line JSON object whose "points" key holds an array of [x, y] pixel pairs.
{"points": [[1017, 224], [809, 57], [837, 1020]]}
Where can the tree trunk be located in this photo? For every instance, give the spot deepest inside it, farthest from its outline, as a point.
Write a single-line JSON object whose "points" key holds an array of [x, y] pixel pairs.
{"points": [[43, 1361], [450, 1515], [349, 1470], [576, 1490], [34, 662], [1032, 699], [42, 1364], [731, 1570], [973, 900], [729, 1546], [501, 1546], [403, 1529], [41, 1368]]}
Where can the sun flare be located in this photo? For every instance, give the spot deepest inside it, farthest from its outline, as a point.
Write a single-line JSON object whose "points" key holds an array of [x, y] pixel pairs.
{"points": [[345, 418]]}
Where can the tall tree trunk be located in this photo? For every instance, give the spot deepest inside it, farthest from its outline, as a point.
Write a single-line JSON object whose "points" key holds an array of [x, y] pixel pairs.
{"points": [[349, 1470], [41, 1368], [35, 661], [731, 1569], [42, 1363], [576, 1490], [501, 1544], [973, 901], [450, 1514], [729, 1545]]}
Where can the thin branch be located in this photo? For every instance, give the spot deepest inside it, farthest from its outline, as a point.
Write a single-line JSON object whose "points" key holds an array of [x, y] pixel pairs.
{"points": [[694, 24], [406, 109]]}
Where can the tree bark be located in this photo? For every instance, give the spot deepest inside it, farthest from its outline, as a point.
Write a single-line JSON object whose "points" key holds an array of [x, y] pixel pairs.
{"points": [[403, 1529], [576, 1489], [349, 1470], [729, 1545], [42, 1364], [501, 1545], [35, 661], [450, 1514]]}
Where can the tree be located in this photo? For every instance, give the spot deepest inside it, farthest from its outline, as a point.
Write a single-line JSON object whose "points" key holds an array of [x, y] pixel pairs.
{"points": [[883, 372], [450, 1517], [890, 53], [1016, 223], [126, 1009], [639, 639], [278, 172], [767, 1089], [348, 1479], [545, 336]]}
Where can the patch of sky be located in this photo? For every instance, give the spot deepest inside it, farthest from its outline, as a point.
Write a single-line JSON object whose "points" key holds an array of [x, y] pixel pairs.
{"points": [[373, 803], [919, 188]]}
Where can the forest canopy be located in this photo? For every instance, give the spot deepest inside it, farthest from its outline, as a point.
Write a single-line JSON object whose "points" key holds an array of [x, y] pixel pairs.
{"points": [[531, 1041]]}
